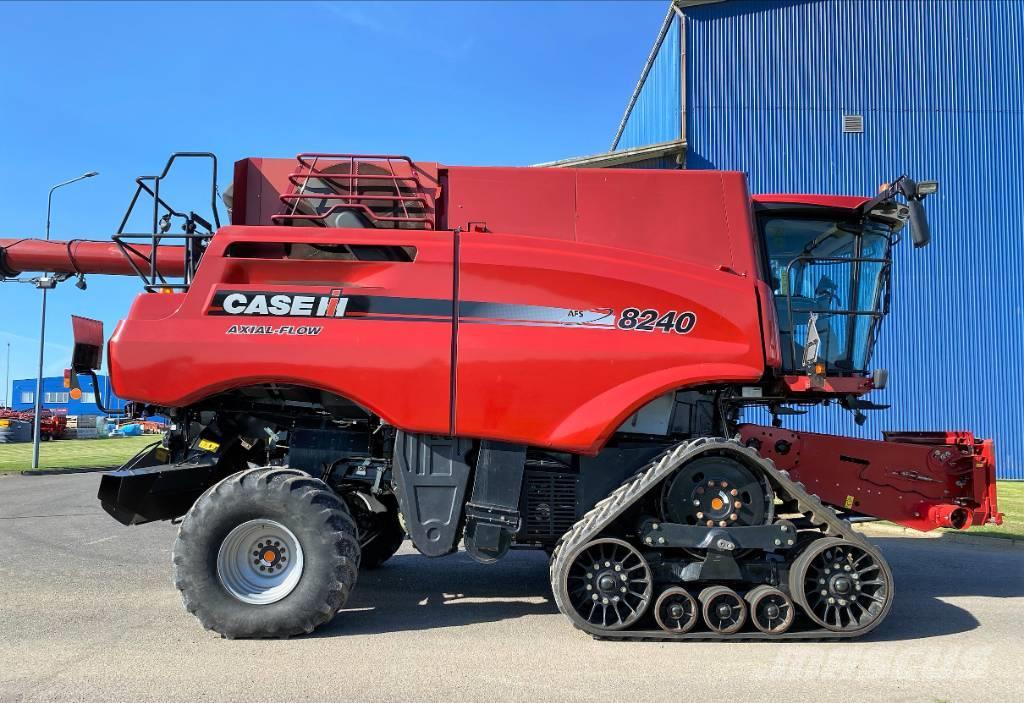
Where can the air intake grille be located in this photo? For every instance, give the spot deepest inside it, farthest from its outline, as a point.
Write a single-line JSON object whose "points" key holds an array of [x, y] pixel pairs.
{"points": [[550, 504], [853, 124]]}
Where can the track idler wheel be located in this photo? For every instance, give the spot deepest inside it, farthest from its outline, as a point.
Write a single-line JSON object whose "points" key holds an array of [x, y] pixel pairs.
{"points": [[676, 611], [723, 609], [843, 586], [608, 585], [771, 610]]}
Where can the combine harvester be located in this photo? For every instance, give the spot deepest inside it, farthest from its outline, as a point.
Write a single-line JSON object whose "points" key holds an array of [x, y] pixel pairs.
{"points": [[518, 358]]}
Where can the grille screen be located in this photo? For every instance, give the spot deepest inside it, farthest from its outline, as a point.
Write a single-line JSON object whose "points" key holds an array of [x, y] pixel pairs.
{"points": [[550, 503]]}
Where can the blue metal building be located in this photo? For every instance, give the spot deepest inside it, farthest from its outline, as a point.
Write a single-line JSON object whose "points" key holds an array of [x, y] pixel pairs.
{"points": [[838, 96], [58, 399]]}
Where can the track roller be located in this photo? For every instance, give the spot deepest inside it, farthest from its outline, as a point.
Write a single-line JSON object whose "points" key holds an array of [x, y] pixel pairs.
{"points": [[771, 610], [843, 586], [676, 611], [724, 611]]}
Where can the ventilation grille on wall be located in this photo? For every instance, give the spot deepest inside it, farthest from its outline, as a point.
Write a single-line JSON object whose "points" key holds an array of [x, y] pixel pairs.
{"points": [[853, 124]]}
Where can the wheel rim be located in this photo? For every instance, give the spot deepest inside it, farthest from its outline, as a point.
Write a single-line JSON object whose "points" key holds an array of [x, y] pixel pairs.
{"points": [[676, 611], [844, 587], [609, 584], [724, 610], [260, 562], [771, 610]]}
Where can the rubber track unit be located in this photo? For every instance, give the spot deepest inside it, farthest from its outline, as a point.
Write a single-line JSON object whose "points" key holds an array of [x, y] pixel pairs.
{"points": [[607, 510]]}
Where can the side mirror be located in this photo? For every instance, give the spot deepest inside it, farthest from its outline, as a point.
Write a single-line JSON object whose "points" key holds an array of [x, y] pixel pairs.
{"points": [[87, 354], [920, 232]]}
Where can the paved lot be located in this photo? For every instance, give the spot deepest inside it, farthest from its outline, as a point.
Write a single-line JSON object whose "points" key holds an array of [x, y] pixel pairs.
{"points": [[87, 612]]}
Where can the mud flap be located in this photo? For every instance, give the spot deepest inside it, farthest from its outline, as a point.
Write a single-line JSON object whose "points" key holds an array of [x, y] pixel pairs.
{"points": [[432, 473]]}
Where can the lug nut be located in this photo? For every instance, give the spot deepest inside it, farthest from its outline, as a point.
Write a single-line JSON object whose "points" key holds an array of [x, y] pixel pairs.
{"points": [[648, 540], [661, 540], [594, 596], [711, 523], [623, 577], [778, 542], [737, 504], [734, 492], [604, 601], [590, 587], [733, 516], [722, 523], [654, 526], [623, 589], [618, 567], [700, 516]]}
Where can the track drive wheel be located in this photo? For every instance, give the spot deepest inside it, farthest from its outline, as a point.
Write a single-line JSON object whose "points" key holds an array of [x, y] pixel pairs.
{"points": [[771, 610], [266, 552], [605, 585], [724, 611], [676, 611], [843, 586]]}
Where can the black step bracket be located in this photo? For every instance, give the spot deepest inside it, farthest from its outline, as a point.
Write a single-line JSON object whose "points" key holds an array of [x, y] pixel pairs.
{"points": [[777, 536], [492, 513]]}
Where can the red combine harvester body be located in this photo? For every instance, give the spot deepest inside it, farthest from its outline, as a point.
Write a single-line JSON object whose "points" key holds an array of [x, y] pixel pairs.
{"points": [[519, 357]]}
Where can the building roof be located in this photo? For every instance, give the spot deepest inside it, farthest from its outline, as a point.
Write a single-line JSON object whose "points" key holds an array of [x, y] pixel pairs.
{"points": [[620, 158]]}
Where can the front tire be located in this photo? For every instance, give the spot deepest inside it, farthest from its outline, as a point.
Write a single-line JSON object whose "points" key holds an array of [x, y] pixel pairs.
{"points": [[266, 552]]}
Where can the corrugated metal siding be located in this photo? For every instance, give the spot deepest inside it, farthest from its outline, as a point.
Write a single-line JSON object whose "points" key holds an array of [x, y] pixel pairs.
{"points": [[941, 91], [656, 116]]}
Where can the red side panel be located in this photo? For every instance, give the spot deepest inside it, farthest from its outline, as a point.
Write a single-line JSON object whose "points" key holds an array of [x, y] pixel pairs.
{"points": [[396, 365], [567, 370], [701, 217]]}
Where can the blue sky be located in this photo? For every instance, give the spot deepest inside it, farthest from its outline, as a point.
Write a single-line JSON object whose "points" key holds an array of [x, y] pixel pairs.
{"points": [[116, 87]]}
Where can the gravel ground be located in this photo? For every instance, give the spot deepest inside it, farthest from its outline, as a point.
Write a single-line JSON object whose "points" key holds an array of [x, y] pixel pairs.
{"points": [[89, 613]]}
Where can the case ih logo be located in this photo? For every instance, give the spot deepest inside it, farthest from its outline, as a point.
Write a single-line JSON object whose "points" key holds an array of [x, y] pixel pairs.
{"points": [[228, 302]]}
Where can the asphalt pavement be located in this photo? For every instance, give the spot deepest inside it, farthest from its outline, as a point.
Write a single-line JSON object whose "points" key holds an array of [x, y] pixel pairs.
{"points": [[88, 613]]}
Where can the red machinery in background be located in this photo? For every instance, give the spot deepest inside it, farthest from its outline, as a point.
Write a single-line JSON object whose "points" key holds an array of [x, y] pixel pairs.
{"points": [[518, 357]]}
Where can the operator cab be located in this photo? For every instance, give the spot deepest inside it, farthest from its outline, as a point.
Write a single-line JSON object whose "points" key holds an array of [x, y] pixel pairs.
{"points": [[831, 272], [828, 261]]}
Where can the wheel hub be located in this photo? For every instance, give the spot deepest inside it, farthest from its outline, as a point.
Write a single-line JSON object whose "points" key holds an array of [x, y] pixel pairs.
{"points": [[716, 491], [259, 562]]}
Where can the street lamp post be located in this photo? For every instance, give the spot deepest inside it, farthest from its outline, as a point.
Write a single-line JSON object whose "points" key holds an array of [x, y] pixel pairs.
{"points": [[45, 283], [7, 379]]}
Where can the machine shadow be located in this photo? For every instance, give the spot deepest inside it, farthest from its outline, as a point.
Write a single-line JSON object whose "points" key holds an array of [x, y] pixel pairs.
{"points": [[926, 574], [412, 592]]}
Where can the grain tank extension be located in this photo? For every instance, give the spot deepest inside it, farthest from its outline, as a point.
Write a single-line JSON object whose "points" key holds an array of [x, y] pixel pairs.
{"points": [[512, 358]]}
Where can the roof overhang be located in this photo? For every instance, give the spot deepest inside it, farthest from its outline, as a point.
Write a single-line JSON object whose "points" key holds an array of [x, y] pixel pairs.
{"points": [[623, 157]]}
